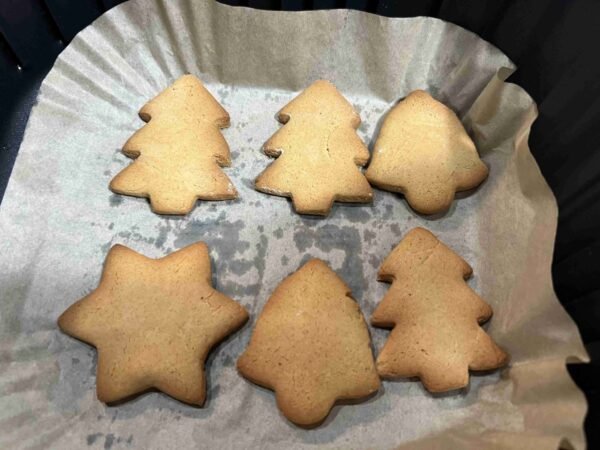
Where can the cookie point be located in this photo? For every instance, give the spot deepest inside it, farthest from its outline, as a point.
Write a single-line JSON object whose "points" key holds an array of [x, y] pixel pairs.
{"points": [[315, 262], [200, 245], [188, 77], [117, 249], [420, 232], [420, 93], [324, 82], [61, 321]]}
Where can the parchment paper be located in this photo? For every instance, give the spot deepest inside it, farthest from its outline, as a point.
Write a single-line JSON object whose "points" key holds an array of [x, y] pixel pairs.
{"points": [[58, 220]]}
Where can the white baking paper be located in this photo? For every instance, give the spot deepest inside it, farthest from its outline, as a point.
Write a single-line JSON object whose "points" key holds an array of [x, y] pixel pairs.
{"points": [[58, 219]]}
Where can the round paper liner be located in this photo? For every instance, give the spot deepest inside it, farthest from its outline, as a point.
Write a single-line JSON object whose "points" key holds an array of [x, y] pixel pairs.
{"points": [[59, 219]]}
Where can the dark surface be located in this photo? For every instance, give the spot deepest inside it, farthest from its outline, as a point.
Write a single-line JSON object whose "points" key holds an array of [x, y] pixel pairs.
{"points": [[553, 43]]}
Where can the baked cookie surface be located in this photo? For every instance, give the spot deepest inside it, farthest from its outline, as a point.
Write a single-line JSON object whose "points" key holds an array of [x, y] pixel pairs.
{"points": [[435, 316], [317, 153], [153, 322], [311, 346], [179, 153], [424, 152]]}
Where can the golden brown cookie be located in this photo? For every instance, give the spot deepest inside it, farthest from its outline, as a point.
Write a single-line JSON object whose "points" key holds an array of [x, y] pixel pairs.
{"points": [[435, 316], [178, 154], [317, 153], [311, 346], [153, 322], [424, 152]]}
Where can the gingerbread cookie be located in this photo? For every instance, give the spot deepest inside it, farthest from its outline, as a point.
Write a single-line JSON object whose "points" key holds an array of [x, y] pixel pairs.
{"points": [[317, 153], [153, 322], [435, 316], [424, 152], [178, 154], [311, 346]]}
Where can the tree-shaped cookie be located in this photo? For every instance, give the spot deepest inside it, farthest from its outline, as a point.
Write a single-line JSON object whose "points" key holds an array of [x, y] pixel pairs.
{"points": [[435, 316], [424, 152], [153, 322], [179, 153], [317, 153], [311, 346]]}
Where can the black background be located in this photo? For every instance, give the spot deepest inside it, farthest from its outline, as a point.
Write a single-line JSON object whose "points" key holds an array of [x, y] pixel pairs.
{"points": [[554, 43]]}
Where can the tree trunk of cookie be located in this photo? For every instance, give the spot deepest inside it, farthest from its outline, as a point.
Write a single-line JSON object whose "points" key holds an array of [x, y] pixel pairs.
{"points": [[312, 204]]}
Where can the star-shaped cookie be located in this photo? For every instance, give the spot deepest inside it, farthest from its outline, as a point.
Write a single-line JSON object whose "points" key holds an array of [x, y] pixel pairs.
{"points": [[153, 322]]}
